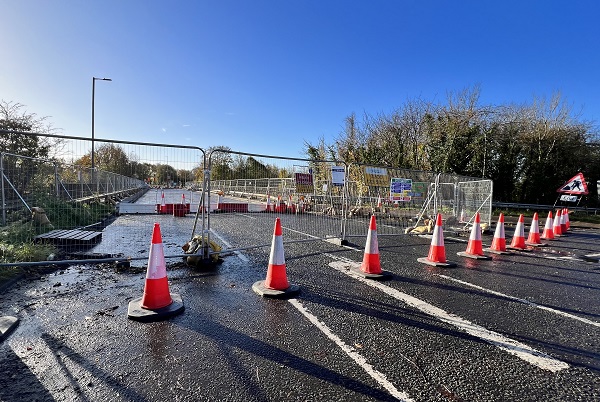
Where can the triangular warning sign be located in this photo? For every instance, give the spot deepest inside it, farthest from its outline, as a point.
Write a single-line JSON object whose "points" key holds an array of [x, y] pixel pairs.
{"points": [[576, 185]]}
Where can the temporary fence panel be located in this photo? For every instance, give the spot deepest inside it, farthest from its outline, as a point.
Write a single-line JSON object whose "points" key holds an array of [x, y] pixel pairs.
{"points": [[395, 196], [404, 198], [59, 200], [247, 191]]}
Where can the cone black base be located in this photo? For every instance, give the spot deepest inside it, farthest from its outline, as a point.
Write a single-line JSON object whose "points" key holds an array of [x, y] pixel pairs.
{"points": [[137, 313], [260, 289], [427, 261], [7, 325], [473, 256], [489, 250], [383, 276]]}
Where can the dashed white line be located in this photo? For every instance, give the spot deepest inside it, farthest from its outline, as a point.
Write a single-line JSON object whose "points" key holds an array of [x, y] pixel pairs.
{"points": [[524, 301], [511, 346], [354, 355]]}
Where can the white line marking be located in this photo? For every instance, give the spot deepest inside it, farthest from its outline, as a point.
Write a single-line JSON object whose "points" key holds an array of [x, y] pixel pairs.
{"points": [[524, 301], [511, 346], [226, 243], [354, 355], [247, 216]]}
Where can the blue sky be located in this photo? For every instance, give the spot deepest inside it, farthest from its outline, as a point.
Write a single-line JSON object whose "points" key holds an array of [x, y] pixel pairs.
{"points": [[266, 76]]}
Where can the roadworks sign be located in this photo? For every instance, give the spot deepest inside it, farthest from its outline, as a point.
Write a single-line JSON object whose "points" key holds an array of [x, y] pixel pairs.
{"points": [[575, 186]]}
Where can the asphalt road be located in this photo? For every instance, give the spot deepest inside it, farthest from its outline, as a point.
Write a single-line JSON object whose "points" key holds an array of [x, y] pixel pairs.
{"points": [[523, 327]]}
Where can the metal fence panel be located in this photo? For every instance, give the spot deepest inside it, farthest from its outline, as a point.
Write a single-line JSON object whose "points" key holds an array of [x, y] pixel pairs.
{"points": [[404, 198], [255, 189], [61, 201]]}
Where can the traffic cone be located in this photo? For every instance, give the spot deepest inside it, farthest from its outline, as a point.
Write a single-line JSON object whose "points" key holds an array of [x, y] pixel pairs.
{"points": [[157, 302], [437, 250], [163, 206], [499, 243], [276, 284], [379, 202], [268, 205], [518, 240], [563, 222], [371, 265], [475, 247], [548, 232], [534, 233], [556, 227], [566, 214]]}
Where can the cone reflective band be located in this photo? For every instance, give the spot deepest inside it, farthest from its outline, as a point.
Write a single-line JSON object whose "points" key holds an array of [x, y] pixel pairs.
{"points": [[548, 231], [518, 240], [371, 263], [556, 228], [276, 275], [156, 289]]}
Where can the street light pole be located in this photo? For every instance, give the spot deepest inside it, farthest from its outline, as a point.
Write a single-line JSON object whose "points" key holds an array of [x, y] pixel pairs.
{"points": [[93, 96]]}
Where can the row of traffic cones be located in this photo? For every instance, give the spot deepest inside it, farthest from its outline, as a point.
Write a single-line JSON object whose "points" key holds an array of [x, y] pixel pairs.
{"points": [[553, 229], [158, 302]]}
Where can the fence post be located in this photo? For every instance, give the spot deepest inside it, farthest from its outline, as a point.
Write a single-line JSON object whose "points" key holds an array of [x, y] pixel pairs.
{"points": [[56, 180], [3, 193]]}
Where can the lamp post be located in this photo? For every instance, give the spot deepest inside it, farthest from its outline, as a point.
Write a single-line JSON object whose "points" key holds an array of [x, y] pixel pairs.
{"points": [[94, 79]]}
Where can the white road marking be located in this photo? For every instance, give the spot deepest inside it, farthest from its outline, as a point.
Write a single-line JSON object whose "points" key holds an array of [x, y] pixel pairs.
{"points": [[524, 301], [226, 243], [354, 355], [511, 346]]}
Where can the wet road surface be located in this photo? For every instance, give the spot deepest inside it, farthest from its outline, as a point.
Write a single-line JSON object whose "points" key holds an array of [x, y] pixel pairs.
{"points": [[519, 327]]}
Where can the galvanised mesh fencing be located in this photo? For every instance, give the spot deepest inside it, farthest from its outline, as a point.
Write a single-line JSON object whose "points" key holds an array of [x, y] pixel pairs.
{"points": [[247, 191], [230, 197], [402, 199], [104, 212]]}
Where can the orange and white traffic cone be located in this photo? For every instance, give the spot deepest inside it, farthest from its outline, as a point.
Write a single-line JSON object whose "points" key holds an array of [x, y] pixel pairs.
{"points": [[157, 302], [499, 242], [268, 204], [379, 204], [563, 222], [534, 232], [548, 231], [566, 214], [518, 240], [556, 227], [463, 216], [276, 284], [437, 250], [371, 265], [163, 206], [475, 246]]}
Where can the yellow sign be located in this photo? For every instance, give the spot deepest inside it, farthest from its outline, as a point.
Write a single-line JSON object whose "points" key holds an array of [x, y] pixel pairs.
{"points": [[376, 176]]}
